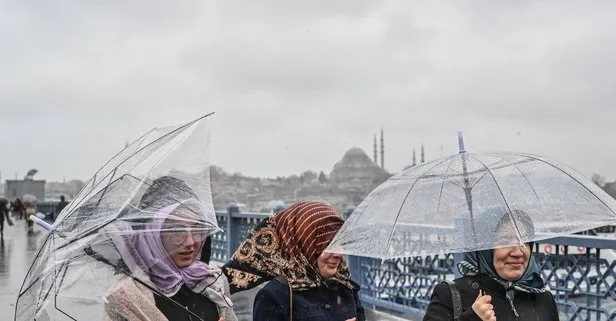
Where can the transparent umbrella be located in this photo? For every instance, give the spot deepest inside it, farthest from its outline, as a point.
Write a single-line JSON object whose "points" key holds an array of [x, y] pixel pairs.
{"points": [[158, 184], [442, 206]]}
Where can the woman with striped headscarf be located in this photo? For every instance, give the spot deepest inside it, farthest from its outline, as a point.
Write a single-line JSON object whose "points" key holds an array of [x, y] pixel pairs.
{"points": [[288, 248]]}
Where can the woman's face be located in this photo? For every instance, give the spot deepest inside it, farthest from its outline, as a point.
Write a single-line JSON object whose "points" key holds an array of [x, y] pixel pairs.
{"points": [[328, 264], [181, 240], [510, 262]]}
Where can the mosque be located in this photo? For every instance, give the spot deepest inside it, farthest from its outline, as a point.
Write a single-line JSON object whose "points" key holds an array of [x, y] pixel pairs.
{"points": [[356, 169]]}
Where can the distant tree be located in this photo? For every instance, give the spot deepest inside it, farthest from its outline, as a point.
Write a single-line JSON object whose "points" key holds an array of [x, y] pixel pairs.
{"points": [[309, 176], [322, 178], [357, 200], [294, 179], [608, 187], [598, 179], [216, 173]]}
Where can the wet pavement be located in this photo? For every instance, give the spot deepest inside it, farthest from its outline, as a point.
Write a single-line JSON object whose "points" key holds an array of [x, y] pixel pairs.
{"points": [[16, 253], [19, 248]]}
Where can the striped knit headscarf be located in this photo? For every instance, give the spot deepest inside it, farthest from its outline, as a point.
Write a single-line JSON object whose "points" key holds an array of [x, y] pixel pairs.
{"points": [[288, 244], [306, 229]]}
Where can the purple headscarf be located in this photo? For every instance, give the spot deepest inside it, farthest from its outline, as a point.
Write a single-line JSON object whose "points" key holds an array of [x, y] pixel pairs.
{"points": [[144, 254]]}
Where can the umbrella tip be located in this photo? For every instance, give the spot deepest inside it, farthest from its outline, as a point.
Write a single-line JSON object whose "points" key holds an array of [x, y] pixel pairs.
{"points": [[461, 142], [42, 223]]}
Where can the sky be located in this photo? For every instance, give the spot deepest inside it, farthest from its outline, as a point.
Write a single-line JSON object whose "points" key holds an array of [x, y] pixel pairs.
{"points": [[294, 84]]}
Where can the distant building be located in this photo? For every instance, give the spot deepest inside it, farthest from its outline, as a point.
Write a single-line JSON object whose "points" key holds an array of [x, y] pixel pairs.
{"points": [[18, 188], [53, 190], [357, 169]]}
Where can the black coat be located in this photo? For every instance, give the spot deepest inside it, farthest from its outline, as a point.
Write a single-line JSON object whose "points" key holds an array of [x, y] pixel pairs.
{"points": [[530, 306], [195, 302], [335, 302]]}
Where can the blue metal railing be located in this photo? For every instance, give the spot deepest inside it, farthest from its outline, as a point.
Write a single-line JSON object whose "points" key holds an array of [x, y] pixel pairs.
{"points": [[583, 282]]}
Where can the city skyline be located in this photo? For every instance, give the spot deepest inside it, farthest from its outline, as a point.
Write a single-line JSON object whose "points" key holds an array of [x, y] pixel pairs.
{"points": [[294, 88], [376, 149], [66, 179]]}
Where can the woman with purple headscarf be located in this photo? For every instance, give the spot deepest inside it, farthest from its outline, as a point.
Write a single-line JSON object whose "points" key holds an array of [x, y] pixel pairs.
{"points": [[160, 242]]}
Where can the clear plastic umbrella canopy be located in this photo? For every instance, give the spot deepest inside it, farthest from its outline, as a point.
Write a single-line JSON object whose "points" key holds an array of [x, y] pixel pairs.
{"points": [[158, 185], [455, 204]]}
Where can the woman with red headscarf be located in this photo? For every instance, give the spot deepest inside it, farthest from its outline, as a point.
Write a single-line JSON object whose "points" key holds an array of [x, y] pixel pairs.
{"points": [[288, 248]]}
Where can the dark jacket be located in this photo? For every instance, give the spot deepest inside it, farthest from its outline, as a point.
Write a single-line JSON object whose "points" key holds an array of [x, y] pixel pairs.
{"points": [[195, 302], [529, 306], [331, 303]]}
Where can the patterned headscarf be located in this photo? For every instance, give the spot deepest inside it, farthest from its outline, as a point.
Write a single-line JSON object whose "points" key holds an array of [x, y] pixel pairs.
{"points": [[288, 244]]}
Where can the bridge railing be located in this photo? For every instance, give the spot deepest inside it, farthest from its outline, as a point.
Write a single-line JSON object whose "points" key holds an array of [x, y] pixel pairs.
{"points": [[579, 270]]}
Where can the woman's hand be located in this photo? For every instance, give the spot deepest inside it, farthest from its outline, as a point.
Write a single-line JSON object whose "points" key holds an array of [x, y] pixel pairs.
{"points": [[483, 308], [351, 319], [221, 319]]}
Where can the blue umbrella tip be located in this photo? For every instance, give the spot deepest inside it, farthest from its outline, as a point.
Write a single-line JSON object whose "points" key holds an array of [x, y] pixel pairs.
{"points": [[461, 142]]}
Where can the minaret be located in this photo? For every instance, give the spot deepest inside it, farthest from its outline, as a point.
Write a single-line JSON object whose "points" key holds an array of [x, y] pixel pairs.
{"points": [[382, 149], [414, 158], [374, 149], [423, 155]]}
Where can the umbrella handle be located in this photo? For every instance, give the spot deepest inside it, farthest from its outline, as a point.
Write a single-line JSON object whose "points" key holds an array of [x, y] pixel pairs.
{"points": [[461, 143], [40, 222]]}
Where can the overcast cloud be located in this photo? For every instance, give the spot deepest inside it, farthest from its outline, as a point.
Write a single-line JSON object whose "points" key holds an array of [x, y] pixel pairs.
{"points": [[294, 85]]}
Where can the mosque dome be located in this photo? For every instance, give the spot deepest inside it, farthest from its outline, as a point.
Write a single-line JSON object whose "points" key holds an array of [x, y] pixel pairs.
{"points": [[355, 167], [357, 156]]}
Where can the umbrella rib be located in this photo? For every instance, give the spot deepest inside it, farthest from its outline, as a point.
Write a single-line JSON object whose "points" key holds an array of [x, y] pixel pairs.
{"points": [[90, 252], [59, 286], [84, 234], [106, 187], [66, 265], [66, 314], [406, 197], [107, 162], [500, 190], [529, 184], [497, 167], [38, 302], [152, 142], [477, 171], [440, 195], [96, 229], [38, 253], [160, 159], [166, 135], [87, 232], [573, 178], [478, 180]]}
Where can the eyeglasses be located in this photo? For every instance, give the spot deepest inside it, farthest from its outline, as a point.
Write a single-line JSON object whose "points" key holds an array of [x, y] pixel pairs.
{"points": [[178, 234]]}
